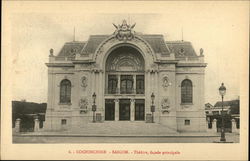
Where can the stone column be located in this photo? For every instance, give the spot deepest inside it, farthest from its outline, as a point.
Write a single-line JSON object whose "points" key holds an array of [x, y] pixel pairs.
{"points": [[134, 84], [116, 109], [214, 125], [118, 84], [132, 109], [36, 126], [234, 127], [17, 125]]}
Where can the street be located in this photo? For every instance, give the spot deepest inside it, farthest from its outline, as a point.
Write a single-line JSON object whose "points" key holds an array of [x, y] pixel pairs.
{"points": [[118, 139]]}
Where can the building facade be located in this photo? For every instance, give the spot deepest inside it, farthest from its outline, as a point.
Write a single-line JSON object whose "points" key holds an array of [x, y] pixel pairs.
{"points": [[135, 78]]}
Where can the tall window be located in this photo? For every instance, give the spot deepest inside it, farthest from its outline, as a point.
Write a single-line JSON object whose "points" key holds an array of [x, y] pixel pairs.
{"points": [[65, 91], [140, 84], [126, 84], [112, 83], [186, 91]]}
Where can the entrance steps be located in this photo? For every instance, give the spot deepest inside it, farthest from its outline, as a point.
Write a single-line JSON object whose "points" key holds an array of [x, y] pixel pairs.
{"points": [[123, 128]]}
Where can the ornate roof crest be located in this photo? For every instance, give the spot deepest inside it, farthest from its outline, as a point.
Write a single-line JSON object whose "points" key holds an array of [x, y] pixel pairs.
{"points": [[124, 31]]}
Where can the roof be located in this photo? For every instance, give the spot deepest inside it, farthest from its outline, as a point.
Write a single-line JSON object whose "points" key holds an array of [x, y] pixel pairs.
{"points": [[182, 48], [233, 103], [208, 106], [157, 42], [93, 42], [70, 48]]}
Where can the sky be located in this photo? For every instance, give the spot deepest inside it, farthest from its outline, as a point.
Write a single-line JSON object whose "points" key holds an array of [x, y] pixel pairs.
{"points": [[220, 28]]}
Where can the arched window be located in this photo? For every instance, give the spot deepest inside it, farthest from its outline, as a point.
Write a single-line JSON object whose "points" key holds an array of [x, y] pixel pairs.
{"points": [[186, 91], [65, 91]]}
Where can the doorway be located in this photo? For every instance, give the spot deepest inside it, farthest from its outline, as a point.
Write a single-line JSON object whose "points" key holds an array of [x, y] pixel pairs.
{"points": [[139, 109], [124, 110], [109, 110]]}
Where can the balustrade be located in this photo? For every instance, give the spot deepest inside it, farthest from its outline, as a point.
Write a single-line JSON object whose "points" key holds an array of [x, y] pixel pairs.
{"points": [[124, 91]]}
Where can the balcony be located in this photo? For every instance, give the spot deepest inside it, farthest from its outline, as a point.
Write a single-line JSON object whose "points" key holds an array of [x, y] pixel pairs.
{"points": [[123, 91]]}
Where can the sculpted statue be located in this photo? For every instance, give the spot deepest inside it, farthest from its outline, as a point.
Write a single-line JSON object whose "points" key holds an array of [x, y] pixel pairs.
{"points": [[83, 103], [165, 103], [124, 31]]}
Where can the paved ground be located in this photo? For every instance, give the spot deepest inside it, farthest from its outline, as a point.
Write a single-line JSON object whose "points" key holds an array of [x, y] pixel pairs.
{"points": [[123, 139]]}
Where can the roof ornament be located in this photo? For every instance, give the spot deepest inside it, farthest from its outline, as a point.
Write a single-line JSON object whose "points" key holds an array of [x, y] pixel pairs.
{"points": [[201, 52], [124, 31], [51, 52]]}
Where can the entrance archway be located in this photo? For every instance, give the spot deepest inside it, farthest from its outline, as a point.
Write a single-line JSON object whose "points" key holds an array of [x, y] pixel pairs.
{"points": [[124, 77]]}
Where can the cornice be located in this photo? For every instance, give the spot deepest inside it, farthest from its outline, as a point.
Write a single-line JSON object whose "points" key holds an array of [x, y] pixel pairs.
{"points": [[59, 65], [191, 65]]}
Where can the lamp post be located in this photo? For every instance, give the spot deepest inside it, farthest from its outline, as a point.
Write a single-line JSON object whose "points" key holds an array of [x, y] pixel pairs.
{"points": [[222, 91], [152, 106], [94, 106]]}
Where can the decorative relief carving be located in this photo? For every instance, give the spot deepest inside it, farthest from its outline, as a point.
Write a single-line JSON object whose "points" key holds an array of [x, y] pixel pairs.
{"points": [[116, 100], [165, 82], [85, 65], [84, 82], [153, 68], [185, 107], [165, 105], [96, 68], [165, 65], [182, 51], [83, 104], [113, 40], [125, 62]]}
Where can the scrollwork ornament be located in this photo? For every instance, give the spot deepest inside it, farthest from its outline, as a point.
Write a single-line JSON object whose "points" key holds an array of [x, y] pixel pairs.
{"points": [[165, 82], [84, 82]]}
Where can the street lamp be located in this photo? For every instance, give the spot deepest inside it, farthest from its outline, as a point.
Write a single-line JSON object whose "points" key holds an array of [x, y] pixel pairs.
{"points": [[222, 91], [152, 106], [94, 106]]}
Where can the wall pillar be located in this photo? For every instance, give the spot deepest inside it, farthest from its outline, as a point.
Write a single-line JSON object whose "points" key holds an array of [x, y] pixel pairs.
{"points": [[132, 109], [214, 125], [116, 109], [101, 95], [147, 93], [118, 84], [134, 84], [234, 127], [17, 125], [36, 126]]}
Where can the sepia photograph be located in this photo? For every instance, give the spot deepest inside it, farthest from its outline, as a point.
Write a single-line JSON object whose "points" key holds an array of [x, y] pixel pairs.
{"points": [[125, 81]]}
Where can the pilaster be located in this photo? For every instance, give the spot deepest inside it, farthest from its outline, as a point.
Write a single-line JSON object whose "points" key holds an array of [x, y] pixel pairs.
{"points": [[116, 109], [132, 109]]}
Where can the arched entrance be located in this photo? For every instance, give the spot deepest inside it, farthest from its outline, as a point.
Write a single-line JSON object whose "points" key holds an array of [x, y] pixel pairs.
{"points": [[125, 85]]}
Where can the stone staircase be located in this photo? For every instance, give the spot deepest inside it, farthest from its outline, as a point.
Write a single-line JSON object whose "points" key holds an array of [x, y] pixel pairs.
{"points": [[123, 128]]}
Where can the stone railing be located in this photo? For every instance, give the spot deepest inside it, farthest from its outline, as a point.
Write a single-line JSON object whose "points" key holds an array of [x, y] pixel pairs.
{"points": [[60, 58], [196, 59], [213, 129], [124, 91]]}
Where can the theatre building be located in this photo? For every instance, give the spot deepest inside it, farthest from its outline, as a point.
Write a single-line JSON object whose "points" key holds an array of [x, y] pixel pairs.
{"points": [[126, 81]]}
